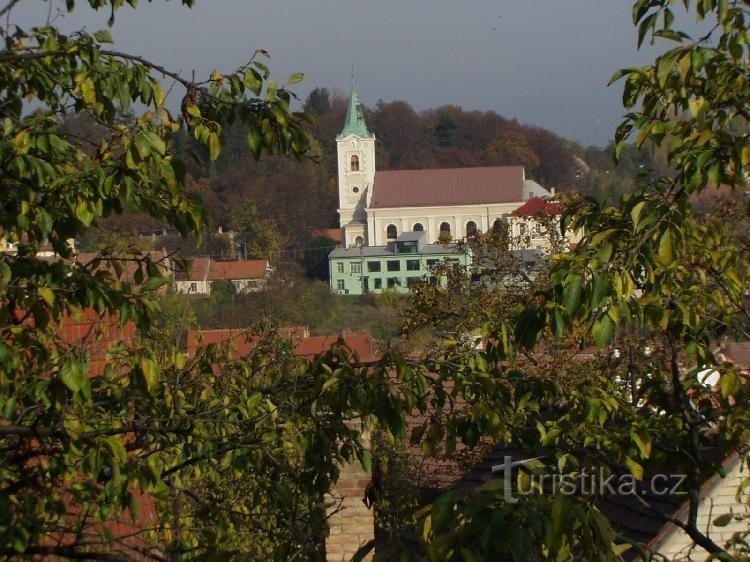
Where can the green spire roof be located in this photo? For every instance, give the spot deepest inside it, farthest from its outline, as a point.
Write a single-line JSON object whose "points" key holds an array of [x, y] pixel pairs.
{"points": [[355, 119]]}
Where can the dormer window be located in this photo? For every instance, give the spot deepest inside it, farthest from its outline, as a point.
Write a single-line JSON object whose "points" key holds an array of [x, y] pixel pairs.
{"points": [[355, 163]]}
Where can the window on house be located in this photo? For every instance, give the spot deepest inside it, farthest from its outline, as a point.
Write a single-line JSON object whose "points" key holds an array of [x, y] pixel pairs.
{"points": [[391, 231], [418, 227], [431, 263], [412, 265], [471, 229], [193, 288], [522, 229], [394, 265], [393, 282], [445, 232], [355, 163], [377, 283], [359, 241], [356, 267], [340, 284], [340, 267], [411, 281], [373, 266]]}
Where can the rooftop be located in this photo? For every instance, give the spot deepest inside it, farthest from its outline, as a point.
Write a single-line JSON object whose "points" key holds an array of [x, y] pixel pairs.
{"points": [[448, 187]]}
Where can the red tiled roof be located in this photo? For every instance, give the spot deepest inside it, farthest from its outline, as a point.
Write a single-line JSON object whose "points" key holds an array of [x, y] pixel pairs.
{"points": [[241, 269], [335, 234], [537, 206], [206, 268], [308, 347], [362, 344], [88, 331], [450, 186]]}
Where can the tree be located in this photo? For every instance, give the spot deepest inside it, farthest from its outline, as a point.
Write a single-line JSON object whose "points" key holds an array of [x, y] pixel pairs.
{"points": [[511, 149], [261, 238], [654, 278], [112, 427]]}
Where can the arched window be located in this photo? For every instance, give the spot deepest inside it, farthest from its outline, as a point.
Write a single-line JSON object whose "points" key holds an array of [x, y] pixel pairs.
{"points": [[359, 241], [355, 163], [496, 226], [471, 229], [445, 232], [391, 232], [418, 227]]}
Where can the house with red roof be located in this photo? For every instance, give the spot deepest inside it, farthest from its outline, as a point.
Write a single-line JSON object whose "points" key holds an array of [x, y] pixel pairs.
{"points": [[246, 275]]}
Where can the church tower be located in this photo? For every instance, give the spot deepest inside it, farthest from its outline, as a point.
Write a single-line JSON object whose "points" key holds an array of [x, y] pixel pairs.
{"points": [[356, 172]]}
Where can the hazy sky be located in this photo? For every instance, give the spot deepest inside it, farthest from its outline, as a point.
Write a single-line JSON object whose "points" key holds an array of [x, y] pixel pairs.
{"points": [[544, 62]]}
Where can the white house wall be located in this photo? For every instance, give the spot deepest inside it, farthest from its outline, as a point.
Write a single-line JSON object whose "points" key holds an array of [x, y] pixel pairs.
{"points": [[719, 499], [431, 217]]}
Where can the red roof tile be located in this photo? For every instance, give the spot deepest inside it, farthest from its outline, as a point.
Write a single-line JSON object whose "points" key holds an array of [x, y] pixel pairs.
{"points": [[450, 186]]}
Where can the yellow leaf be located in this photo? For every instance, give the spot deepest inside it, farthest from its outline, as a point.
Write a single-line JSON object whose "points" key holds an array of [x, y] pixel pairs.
{"points": [[88, 91], [696, 106], [47, 294]]}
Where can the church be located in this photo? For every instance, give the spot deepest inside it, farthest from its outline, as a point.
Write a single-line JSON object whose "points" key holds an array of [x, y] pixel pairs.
{"points": [[376, 207]]}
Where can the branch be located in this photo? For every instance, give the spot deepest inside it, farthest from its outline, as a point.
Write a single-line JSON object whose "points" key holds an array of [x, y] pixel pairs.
{"points": [[8, 7], [149, 64], [66, 552], [9, 56]]}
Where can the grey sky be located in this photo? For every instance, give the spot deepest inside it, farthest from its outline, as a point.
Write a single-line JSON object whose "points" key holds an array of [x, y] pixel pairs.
{"points": [[544, 62]]}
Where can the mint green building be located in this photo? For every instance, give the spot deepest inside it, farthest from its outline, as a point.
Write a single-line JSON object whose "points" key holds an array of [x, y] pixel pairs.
{"points": [[396, 266]]}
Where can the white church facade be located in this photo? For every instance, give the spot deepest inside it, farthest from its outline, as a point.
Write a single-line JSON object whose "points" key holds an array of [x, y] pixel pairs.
{"points": [[375, 207]]}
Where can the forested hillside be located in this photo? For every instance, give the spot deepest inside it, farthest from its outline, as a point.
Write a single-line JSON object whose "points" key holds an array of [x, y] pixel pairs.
{"points": [[277, 203]]}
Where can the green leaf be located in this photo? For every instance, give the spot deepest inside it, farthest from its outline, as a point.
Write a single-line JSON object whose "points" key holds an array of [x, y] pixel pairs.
{"points": [[603, 330], [572, 293], [214, 146], [253, 81], [643, 444], [103, 36], [73, 375], [84, 212], [148, 142], [635, 213], [255, 142], [634, 467], [295, 77], [153, 283], [666, 255], [151, 373], [729, 384]]}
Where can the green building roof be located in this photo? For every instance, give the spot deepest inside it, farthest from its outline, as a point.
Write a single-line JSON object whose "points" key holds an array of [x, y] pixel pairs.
{"points": [[355, 119]]}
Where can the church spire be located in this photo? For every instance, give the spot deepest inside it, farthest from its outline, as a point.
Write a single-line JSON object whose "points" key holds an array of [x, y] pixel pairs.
{"points": [[355, 119]]}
